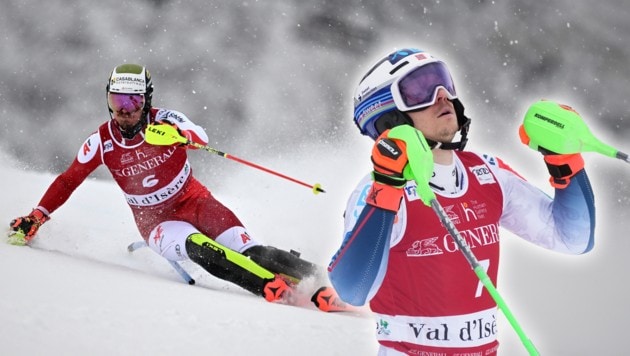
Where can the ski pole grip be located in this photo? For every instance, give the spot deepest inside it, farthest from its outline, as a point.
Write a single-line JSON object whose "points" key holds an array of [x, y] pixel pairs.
{"points": [[420, 167]]}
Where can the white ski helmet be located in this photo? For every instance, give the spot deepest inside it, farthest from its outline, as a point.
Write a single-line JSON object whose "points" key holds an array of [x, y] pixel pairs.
{"points": [[132, 79], [403, 81]]}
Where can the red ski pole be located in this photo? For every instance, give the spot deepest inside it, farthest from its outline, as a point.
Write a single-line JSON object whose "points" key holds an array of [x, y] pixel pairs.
{"points": [[165, 135]]}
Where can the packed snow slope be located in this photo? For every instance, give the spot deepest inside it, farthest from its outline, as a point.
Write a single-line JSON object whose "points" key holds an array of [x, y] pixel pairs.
{"points": [[77, 291]]}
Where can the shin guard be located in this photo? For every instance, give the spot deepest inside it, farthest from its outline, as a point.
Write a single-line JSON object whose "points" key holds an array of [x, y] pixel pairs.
{"points": [[227, 264]]}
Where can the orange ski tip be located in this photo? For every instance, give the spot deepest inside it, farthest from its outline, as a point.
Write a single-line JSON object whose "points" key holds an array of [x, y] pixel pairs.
{"points": [[276, 290], [327, 300]]}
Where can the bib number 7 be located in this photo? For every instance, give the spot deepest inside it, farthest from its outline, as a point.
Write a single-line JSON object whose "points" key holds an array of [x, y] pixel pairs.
{"points": [[486, 265]]}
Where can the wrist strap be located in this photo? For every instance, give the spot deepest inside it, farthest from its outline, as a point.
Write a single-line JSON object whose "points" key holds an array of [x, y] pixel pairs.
{"points": [[562, 168], [394, 181]]}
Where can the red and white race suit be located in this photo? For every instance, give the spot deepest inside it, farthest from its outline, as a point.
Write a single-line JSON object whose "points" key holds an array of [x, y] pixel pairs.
{"points": [[157, 181]]}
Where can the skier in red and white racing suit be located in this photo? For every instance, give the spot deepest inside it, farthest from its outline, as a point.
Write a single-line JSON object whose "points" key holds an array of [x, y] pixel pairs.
{"points": [[395, 252], [175, 214]]}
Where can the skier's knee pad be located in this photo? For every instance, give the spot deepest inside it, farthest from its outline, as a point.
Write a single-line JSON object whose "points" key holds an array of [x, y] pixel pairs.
{"points": [[168, 239], [227, 264], [236, 238], [211, 259]]}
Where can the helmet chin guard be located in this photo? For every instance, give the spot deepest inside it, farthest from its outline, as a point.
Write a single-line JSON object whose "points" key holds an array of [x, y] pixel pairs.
{"points": [[395, 118], [464, 125]]}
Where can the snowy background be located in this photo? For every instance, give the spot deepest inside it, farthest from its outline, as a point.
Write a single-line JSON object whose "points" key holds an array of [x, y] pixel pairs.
{"points": [[272, 83], [265, 76]]}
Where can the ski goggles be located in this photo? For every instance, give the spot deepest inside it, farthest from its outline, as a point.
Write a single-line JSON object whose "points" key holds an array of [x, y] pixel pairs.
{"points": [[127, 103], [418, 89]]}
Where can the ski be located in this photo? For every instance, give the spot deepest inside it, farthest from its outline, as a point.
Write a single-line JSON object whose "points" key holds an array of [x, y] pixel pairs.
{"points": [[324, 299]]}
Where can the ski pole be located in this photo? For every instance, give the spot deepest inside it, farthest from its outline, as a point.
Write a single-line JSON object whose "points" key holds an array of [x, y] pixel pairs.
{"points": [[482, 275], [418, 151], [560, 129], [176, 266], [165, 135]]}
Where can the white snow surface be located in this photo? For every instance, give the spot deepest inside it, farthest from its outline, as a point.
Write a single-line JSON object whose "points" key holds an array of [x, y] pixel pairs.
{"points": [[77, 291]]}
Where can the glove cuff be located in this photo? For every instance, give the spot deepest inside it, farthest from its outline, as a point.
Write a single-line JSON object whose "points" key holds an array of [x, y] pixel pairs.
{"points": [[39, 216], [394, 181], [384, 196], [562, 168]]}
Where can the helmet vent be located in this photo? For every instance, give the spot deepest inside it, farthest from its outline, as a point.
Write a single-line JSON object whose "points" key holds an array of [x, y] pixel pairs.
{"points": [[398, 67]]}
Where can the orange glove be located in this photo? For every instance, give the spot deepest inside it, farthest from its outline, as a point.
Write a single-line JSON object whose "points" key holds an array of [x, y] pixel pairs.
{"points": [[562, 168], [389, 157], [24, 228]]}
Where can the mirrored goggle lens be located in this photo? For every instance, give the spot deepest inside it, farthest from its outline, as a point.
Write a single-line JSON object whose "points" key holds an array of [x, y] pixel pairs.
{"points": [[125, 102], [417, 88]]}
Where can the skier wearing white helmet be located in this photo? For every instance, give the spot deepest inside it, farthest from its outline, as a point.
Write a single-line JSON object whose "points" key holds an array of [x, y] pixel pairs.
{"points": [[397, 255], [381, 104], [176, 215]]}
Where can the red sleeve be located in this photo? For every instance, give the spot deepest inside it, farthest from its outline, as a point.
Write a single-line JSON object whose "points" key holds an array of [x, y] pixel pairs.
{"points": [[66, 183]]}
